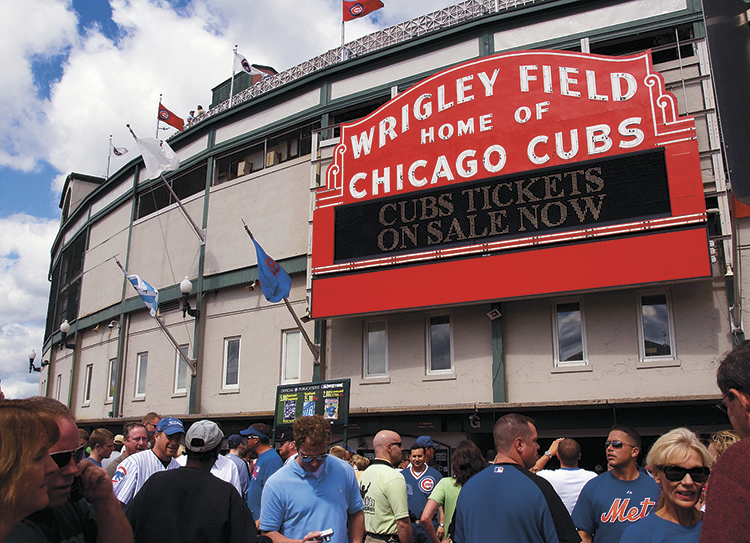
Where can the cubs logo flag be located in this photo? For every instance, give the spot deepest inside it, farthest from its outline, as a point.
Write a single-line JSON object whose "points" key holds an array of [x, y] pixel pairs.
{"points": [[148, 294], [355, 9], [274, 280], [242, 65], [170, 118]]}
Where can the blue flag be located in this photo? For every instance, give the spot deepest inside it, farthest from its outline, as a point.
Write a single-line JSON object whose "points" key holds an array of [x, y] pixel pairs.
{"points": [[148, 294], [274, 280]]}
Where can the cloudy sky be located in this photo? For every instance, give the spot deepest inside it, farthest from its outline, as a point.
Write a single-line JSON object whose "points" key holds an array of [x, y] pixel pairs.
{"points": [[75, 72]]}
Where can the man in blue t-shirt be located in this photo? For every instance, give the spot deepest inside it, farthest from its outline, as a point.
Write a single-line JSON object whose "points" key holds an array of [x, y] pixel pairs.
{"points": [[258, 440], [420, 480], [506, 501], [611, 502]]}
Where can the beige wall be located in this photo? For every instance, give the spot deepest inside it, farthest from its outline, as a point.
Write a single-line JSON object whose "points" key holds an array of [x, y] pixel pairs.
{"points": [[102, 279], [275, 205], [407, 383]]}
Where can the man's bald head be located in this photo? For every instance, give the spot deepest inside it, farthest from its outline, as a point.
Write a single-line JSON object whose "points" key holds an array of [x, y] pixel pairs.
{"points": [[387, 445]]}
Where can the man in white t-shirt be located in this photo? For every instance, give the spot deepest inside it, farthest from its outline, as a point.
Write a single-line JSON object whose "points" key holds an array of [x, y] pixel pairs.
{"points": [[569, 479]]}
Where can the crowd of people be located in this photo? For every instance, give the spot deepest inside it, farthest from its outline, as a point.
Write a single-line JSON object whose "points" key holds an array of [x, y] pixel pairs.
{"points": [[168, 483]]}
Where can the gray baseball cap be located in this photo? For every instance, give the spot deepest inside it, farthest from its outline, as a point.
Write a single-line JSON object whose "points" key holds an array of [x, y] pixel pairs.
{"points": [[203, 436]]}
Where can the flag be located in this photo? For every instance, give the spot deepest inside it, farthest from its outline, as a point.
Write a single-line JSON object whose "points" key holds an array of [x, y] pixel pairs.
{"points": [[148, 294], [170, 118], [274, 280], [242, 65], [355, 9], [119, 151], [158, 156]]}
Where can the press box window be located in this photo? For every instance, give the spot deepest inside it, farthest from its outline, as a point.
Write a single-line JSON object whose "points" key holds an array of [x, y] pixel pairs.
{"points": [[376, 349], [655, 327], [439, 344], [231, 370], [569, 334]]}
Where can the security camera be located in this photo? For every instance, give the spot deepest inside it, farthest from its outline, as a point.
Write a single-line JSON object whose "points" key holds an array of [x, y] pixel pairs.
{"points": [[494, 314], [112, 324]]}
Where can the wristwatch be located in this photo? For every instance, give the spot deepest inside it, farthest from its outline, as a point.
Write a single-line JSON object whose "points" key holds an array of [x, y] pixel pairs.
{"points": [[548, 454]]}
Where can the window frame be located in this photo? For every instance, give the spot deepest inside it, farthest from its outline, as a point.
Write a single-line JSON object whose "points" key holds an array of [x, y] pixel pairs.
{"points": [[658, 360], [558, 363], [111, 369], [141, 376], [87, 378], [284, 356], [366, 349], [233, 387], [428, 346], [180, 365], [58, 386]]}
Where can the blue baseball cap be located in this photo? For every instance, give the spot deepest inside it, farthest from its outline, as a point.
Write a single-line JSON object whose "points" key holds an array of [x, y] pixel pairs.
{"points": [[259, 429], [170, 426], [424, 441]]}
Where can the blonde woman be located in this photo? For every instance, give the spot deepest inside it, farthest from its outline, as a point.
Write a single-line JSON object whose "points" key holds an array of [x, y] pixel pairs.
{"points": [[25, 463], [680, 464]]}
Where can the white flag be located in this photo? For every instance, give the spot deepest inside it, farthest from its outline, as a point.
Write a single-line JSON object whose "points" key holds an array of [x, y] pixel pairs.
{"points": [[242, 65], [158, 156], [119, 151]]}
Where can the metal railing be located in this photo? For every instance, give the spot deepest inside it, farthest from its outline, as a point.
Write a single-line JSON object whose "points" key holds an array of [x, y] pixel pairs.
{"points": [[425, 24]]}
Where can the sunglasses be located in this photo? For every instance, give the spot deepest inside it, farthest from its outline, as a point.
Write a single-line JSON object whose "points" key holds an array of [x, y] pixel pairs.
{"points": [[63, 457], [311, 457], [398, 444], [723, 408], [677, 474], [616, 444]]}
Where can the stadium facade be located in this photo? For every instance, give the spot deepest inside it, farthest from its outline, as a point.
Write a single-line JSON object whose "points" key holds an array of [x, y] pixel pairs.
{"points": [[474, 241]]}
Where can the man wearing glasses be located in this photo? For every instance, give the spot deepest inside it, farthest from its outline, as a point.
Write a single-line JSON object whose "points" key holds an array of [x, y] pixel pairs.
{"points": [[314, 492], [383, 491], [727, 517], [79, 493], [269, 461], [609, 503], [150, 420]]}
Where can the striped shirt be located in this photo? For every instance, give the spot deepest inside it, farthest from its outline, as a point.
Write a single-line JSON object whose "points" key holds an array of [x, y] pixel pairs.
{"points": [[133, 472]]}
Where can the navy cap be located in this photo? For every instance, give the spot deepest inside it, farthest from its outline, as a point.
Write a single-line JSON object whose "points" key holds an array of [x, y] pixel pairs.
{"points": [[256, 430], [170, 426], [424, 441], [283, 437], [234, 441]]}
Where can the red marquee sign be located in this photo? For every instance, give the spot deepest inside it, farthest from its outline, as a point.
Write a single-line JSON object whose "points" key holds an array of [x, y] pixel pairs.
{"points": [[520, 174]]}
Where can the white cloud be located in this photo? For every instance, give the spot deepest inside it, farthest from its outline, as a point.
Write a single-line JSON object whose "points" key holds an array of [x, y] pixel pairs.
{"points": [[24, 294]]}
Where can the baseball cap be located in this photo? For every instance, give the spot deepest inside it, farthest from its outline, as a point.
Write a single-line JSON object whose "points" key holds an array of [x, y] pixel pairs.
{"points": [[424, 441], [170, 426], [119, 438], [203, 436], [258, 429], [234, 441]]}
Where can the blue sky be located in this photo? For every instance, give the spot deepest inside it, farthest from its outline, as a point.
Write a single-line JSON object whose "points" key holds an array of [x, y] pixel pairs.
{"points": [[76, 71]]}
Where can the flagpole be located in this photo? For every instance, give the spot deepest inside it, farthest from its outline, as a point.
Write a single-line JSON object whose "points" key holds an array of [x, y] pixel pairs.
{"points": [[199, 231], [231, 81], [343, 26], [313, 348], [190, 363], [157, 119], [109, 155]]}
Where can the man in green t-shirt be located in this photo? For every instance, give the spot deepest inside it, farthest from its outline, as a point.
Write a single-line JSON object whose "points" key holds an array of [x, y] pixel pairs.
{"points": [[383, 491]]}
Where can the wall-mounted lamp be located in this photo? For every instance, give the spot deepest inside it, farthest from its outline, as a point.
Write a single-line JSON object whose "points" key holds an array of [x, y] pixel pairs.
{"points": [[112, 324], [32, 367], [64, 329], [307, 317], [185, 287], [250, 287]]}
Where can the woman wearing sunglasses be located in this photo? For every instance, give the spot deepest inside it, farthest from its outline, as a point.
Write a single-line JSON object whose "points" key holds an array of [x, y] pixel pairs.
{"points": [[27, 436], [680, 464]]}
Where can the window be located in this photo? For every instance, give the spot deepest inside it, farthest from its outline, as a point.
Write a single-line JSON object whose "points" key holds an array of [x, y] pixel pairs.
{"points": [[569, 334], [180, 371], [112, 379], [439, 344], [655, 328], [141, 373], [376, 349], [291, 357], [87, 384], [156, 196], [58, 385], [231, 370], [66, 284]]}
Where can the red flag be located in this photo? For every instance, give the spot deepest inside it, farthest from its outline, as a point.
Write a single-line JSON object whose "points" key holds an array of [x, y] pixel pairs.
{"points": [[355, 9], [170, 118]]}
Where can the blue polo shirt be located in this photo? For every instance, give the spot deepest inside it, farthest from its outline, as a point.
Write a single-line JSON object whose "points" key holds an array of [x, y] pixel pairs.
{"points": [[266, 465], [295, 502]]}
